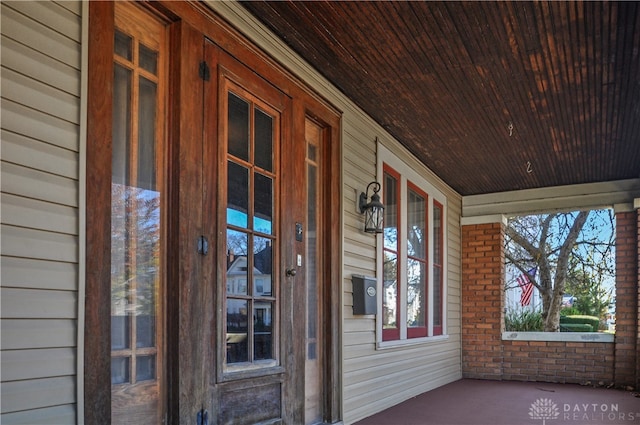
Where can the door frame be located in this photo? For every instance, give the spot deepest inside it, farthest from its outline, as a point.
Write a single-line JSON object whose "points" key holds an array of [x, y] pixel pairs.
{"points": [[191, 22]]}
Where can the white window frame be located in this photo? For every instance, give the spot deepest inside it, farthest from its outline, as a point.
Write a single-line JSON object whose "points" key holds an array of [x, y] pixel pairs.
{"points": [[408, 173]]}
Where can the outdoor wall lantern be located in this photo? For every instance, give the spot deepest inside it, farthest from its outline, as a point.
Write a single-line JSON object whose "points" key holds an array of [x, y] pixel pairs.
{"points": [[373, 211]]}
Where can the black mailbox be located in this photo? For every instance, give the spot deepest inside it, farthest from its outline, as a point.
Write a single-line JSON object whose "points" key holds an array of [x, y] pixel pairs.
{"points": [[364, 295]]}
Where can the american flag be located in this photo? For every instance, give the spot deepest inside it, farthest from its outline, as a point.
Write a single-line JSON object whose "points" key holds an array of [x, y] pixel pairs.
{"points": [[526, 286]]}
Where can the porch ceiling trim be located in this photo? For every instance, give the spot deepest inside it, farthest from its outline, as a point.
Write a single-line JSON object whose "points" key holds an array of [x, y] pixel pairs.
{"points": [[558, 198]]}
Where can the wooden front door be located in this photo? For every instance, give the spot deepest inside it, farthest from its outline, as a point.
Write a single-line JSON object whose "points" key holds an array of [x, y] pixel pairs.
{"points": [[248, 121], [223, 222], [241, 196]]}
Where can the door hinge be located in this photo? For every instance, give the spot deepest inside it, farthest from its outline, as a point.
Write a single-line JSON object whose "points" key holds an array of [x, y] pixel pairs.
{"points": [[202, 418], [203, 245], [205, 74]]}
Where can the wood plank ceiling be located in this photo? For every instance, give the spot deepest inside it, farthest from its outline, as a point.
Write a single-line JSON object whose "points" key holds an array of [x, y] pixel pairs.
{"points": [[492, 96]]}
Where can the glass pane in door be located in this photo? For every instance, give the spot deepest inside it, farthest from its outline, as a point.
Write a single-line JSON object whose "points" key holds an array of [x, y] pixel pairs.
{"points": [[263, 202], [262, 330], [263, 140], [251, 296], [313, 344], [237, 331], [237, 195], [238, 119]]}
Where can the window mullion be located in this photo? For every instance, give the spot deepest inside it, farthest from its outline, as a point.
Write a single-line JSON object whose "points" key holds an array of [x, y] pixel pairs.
{"points": [[430, 259], [403, 283]]}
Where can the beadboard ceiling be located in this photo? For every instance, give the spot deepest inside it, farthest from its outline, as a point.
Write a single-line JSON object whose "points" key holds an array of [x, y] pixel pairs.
{"points": [[492, 96]]}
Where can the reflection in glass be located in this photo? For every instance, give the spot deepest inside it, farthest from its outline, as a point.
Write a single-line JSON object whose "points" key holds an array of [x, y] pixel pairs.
{"points": [[263, 140], [390, 295], [263, 203], [259, 289], [437, 297], [119, 370], [438, 247], [237, 331], [135, 222], [262, 266], [146, 135], [137, 198], [437, 233], [122, 46], [119, 331], [390, 212], [237, 264], [416, 263], [390, 287], [121, 141], [237, 195], [415, 293], [148, 59], [145, 325], [145, 368], [250, 213], [311, 152], [262, 331], [416, 221], [312, 253], [146, 321], [238, 120]]}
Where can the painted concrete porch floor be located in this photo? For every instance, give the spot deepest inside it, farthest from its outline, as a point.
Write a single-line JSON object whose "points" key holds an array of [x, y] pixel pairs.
{"points": [[480, 402]]}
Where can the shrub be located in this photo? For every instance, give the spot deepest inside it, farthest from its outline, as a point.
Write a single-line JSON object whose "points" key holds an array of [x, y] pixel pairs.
{"points": [[592, 321], [569, 311], [575, 327], [523, 321]]}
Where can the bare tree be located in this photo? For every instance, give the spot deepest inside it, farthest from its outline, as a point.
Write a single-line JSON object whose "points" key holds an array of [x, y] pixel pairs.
{"points": [[549, 244]]}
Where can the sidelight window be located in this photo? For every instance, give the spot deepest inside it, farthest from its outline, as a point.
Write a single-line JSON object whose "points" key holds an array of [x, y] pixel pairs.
{"points": [[137, 224]]}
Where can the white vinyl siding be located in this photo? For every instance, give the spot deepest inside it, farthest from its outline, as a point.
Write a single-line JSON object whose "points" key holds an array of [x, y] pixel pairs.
{"points": [[373, 379], [41, 61]]}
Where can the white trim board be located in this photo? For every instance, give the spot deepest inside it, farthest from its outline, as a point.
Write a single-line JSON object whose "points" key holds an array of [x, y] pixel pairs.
{"points": [[558, 336], [557, 198]]}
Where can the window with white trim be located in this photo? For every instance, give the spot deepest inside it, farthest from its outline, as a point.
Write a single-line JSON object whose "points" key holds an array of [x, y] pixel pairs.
{"points": [[413, 249]]}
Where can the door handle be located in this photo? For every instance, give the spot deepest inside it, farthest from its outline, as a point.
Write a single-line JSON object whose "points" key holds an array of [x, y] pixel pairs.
{"points": [[291, 272]]}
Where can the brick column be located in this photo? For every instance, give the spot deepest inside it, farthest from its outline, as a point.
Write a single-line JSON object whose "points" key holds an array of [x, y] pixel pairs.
{"points": [[482, 292], [627, 294]]}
